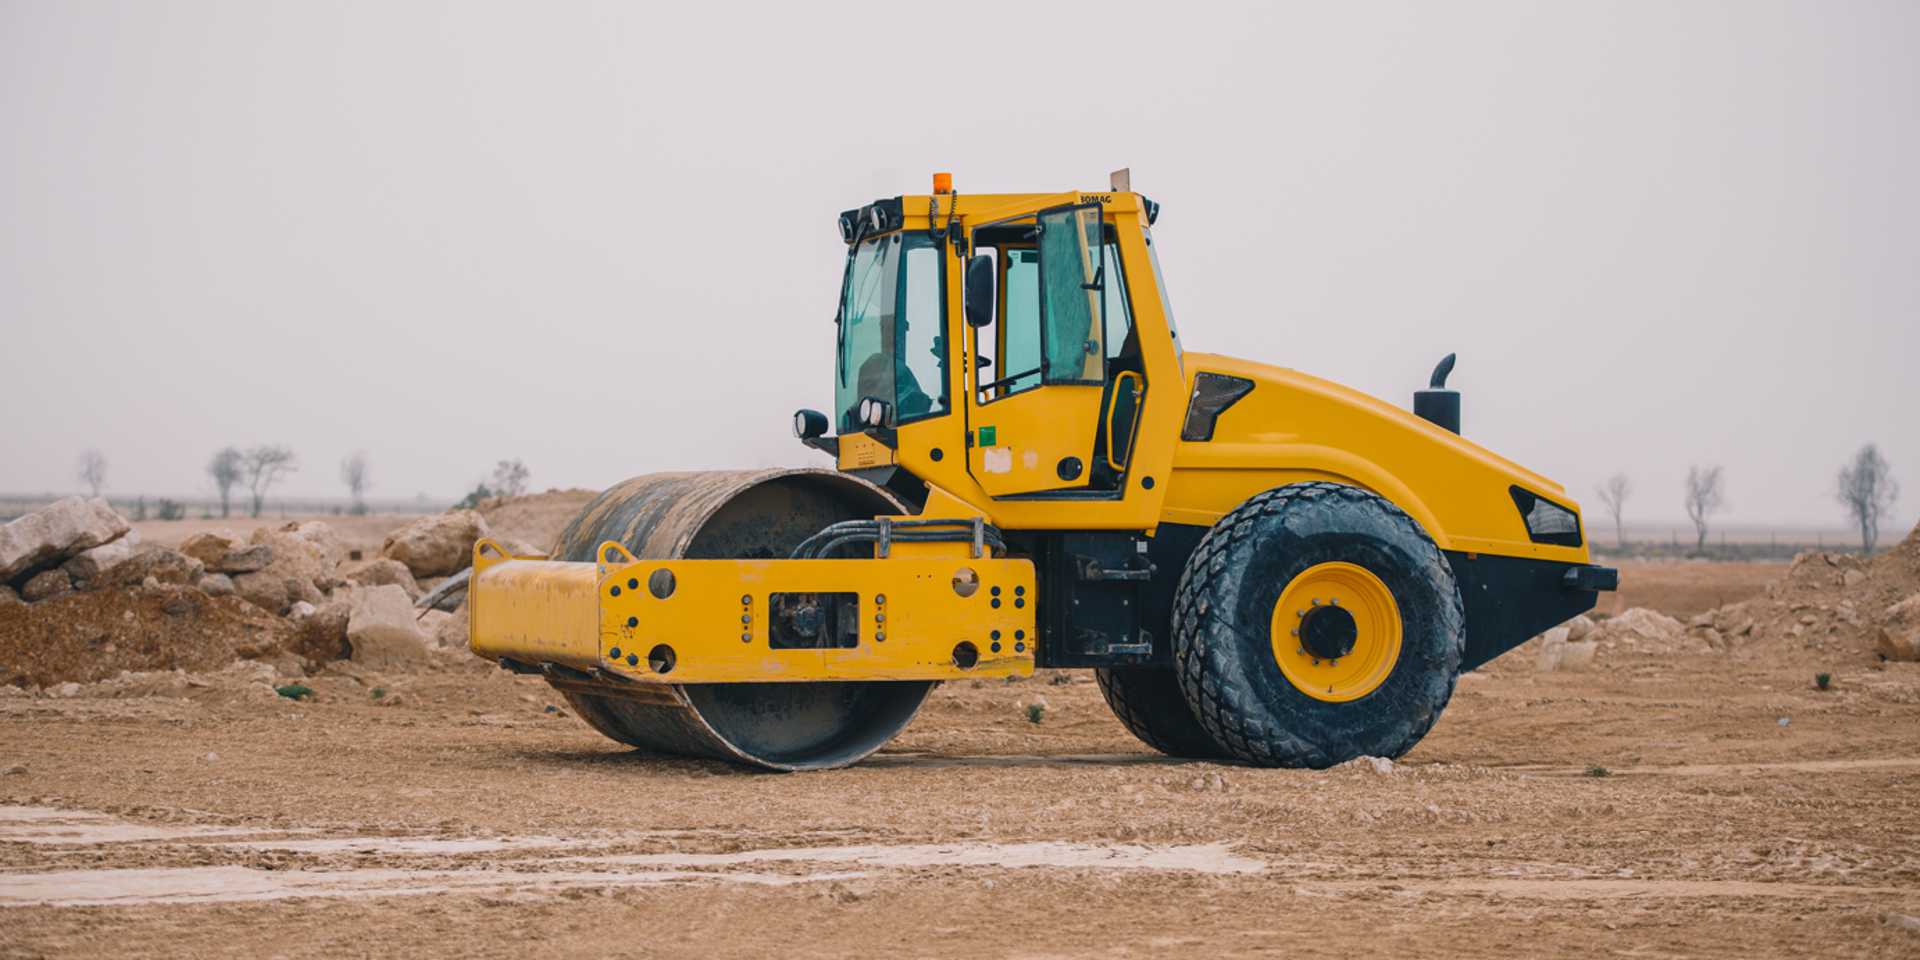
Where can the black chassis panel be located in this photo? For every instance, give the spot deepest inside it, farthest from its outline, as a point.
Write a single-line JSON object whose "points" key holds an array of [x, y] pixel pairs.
{"points": [[1509, 600], [1088, 622]]}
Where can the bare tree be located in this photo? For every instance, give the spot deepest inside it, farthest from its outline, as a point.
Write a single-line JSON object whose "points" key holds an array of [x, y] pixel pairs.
{"points": [[1706, 495], [353, 473], [224, 468], [1867, 489], [1614, 493], [510, 478], [93, 470], [263, 466]]}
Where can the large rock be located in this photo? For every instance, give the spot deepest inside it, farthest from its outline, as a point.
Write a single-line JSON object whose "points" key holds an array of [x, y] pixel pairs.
{"points": [[263, 590], [1640, 625], [321, 636], [381, 629], [248, 559], [454, 630], [224, 552], [212, 546], [160, 563], [301, 565], [1579, 627], [315, 538], [1559, 652], [46, 585], [381, 572], [438, 545], [1899, 635], [55, 532], [86, 566], [216, 585]]}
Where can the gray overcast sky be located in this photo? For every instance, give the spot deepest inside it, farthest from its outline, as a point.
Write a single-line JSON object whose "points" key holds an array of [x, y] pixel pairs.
{"points": [[601, 237]]}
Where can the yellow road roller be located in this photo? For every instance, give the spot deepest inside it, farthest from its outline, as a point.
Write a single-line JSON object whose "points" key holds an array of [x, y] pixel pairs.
{"points": [[1030, 471]]}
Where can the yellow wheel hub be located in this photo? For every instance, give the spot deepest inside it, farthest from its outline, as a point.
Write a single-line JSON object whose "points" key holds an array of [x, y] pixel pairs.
{"points": [[1336, 632]]}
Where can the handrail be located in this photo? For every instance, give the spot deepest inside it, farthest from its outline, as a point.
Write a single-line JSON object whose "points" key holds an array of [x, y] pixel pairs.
{"points": [[1113, 405]]}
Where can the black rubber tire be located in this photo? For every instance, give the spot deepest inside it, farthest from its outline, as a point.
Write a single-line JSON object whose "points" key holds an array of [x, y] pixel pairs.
{"points": [[1222, 621], [1149, 702]]}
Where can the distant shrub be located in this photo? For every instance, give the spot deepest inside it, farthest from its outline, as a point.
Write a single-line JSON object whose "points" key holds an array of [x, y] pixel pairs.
{"points": [[1599, 771], [1036, 712], [171, 510], [471, 500], [1823, 681]]}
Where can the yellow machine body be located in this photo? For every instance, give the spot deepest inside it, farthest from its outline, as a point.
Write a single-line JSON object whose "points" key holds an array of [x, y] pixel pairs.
{"points": [[1008, 363], [914, 619]]}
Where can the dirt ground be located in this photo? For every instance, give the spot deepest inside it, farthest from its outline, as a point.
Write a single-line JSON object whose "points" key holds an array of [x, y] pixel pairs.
{"points": [[1683, 588], [1703, 804]]}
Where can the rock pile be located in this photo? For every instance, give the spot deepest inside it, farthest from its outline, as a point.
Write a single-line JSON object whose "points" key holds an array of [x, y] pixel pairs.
{"points": [[1829, 602], [81, 599], [1833, 602]]}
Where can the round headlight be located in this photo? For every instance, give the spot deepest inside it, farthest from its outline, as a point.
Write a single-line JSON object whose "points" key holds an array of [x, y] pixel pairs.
{"points": [[799, 426]]}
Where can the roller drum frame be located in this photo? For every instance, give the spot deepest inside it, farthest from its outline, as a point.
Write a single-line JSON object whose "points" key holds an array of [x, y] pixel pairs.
{"points": [[750, 514]]}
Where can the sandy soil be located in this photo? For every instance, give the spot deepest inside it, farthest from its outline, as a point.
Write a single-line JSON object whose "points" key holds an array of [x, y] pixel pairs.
{"points": [[537, 518], [1683, 588], [1673, 804], [1743, 813]]}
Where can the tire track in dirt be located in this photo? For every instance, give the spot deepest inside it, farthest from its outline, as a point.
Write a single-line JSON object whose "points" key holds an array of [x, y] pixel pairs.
{"points": [[1722, 769], [533, 866]]}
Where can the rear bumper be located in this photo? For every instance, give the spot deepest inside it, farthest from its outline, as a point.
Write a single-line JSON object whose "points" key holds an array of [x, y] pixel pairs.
{"points": [[1590, 577], [1509, 600]]}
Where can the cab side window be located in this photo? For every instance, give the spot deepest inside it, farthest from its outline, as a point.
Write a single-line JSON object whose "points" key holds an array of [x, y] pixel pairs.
{"points": [[1114, 305], [1019, 332], [920, 371], [1071, 279]]}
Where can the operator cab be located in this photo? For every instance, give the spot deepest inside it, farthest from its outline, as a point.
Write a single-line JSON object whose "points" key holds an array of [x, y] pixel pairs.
{"points": [[1010, 315]]}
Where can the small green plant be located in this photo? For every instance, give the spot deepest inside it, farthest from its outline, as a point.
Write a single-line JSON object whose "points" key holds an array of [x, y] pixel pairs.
{"points": [[1036, 712], [1823, 681], [379, 692], [295, 691], [1598, 771]]}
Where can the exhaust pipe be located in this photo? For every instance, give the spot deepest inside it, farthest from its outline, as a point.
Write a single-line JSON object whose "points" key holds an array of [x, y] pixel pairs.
{"points": [[1437, 404]]}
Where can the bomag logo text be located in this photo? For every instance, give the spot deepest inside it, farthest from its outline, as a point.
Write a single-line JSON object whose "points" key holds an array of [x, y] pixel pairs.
{"points": [[1096, 198]]}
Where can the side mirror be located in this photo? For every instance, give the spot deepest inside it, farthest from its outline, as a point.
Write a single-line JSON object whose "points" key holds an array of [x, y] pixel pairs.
{"points": [[979, 291]]}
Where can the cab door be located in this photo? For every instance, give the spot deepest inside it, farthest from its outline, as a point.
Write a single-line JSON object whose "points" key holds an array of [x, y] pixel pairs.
{"points": [[1040, 369]]}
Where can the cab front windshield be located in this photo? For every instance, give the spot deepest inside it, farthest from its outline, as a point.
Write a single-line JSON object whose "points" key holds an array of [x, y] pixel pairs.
{"points": [[891, 343]]}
